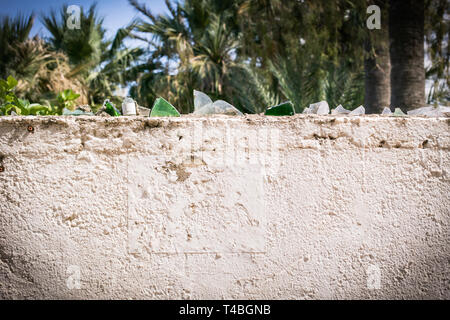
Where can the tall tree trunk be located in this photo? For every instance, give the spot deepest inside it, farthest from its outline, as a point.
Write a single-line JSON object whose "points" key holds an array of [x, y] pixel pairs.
{"points": [[377, 65], [406, 32]]}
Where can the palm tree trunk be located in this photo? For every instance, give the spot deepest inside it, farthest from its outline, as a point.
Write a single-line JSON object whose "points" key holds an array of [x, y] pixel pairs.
{"points": [[377, 65], [406, 32]]}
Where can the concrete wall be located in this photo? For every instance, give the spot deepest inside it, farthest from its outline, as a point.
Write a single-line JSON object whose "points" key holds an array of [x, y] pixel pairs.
{"points": [[304, 207]]}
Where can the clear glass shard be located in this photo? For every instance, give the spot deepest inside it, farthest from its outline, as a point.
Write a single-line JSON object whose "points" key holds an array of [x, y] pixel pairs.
{"points": [[340, 110], [386, 110], [431, 111], [200, 100], [144, 111], [218, 107], [224, 107], [320, 108], [128, 107], [444, 110], [206, 109], [203, 105], [358, 111], [76, 112], [307, 110], [422, 111]]}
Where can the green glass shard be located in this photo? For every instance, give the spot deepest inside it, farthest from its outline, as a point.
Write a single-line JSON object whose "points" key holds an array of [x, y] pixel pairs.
{"points": [[398, 113], [162, 108], [283, 109], [111, 110]]}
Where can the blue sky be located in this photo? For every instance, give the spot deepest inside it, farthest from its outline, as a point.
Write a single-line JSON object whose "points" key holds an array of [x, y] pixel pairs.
{"points": [[116, 13]]}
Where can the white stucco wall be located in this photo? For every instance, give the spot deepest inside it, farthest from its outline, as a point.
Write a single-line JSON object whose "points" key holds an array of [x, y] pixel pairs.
{"points": [[303, 207]]}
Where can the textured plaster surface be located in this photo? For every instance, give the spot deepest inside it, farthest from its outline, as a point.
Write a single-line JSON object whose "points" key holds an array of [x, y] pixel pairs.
{"points": [[303, 207]]}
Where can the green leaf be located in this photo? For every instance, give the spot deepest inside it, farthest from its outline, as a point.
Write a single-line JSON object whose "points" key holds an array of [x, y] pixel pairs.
{"points": [[25, 104], [162, 108], [11, 82], [10, 107], [10, 97], [37, 109], [4, 85], [73, 96]]}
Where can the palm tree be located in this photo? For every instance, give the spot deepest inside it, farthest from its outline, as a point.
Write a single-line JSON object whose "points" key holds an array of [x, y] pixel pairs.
{"points": [[195, 46], [377, 64], [406, 32], [101, 63], [83, 46], [437, 31], [13, 33], [305, 51], [40, 72]]}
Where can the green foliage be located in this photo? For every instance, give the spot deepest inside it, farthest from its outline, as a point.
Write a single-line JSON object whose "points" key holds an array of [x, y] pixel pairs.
{"points": [[253, 53], [437, 31], [195, 47], [305, 51], [84, 45], [13, 31], [7, 96], [103, 64], [9, 101], [66, 99]]}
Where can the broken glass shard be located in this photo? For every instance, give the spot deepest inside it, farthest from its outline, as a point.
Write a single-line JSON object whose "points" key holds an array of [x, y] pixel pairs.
{"points": [[398, 113], [224, 107], [200, 100], [444, 110], [204, 110], [128, 107], [283, 109], [386, 110], [77, 112], [218, 107], [319, 108], [340, 110], [203, 105], [358, 111], [110, 109], [430, 111], [143, 111], [162, 108]]}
